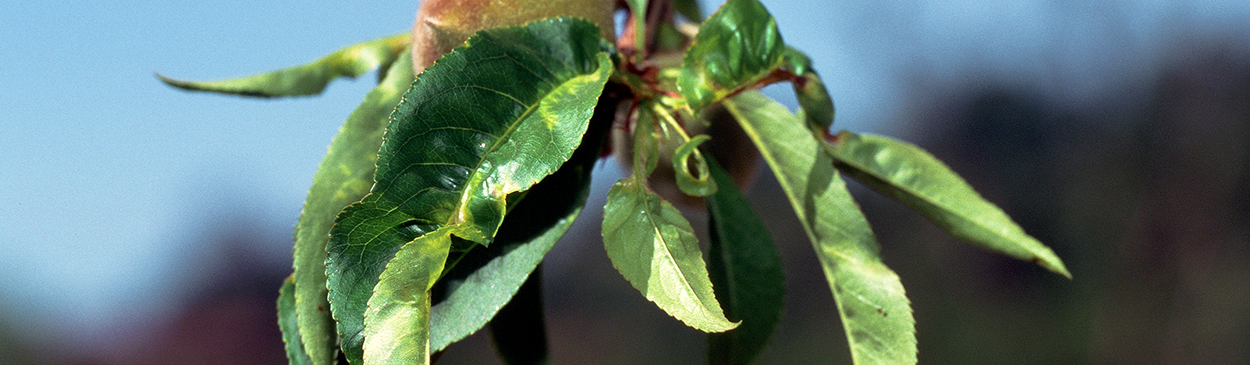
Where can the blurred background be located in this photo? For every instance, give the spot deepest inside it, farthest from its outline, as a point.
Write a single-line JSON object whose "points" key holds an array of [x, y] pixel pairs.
{"points": [[144, 225]]}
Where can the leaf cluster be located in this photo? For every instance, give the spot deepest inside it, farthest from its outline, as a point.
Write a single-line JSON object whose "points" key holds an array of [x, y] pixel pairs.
{"points": [[437, 201]]}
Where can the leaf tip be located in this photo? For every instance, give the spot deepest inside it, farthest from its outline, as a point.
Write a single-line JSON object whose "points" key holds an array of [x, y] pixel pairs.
{"points": [[1053, 264]]}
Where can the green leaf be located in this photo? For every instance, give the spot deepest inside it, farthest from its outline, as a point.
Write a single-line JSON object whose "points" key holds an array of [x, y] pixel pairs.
{"points": [[288, 324], [397, 323], [519, 332], [344, 177], [689, 9], [312, 78], [914, 177], [746, 271], [810, 91], [689, 184], [654, 247], [875, 312], [736, 47], [489, 119], [485, 278]]}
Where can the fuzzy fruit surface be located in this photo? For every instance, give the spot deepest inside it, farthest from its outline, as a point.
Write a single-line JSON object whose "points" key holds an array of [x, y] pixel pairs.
{"points": [[442, 25]]}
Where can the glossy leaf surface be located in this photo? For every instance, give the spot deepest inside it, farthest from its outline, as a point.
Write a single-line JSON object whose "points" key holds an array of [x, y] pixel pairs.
{"points": [[914, 177], [289, 326], [746, 271], [448, 164], [343, 177], [485, 278], [736, 47], [655, 249], [312, 78], [876, 314]]}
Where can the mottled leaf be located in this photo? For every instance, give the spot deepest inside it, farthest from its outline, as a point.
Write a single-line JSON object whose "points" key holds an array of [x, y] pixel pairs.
{"points": [[875, 312], [914, 177], [483, 279], [736, 47], [344, 177], [746, 271], [654, 247], [448, 164], [312, 78], [289, 326]]}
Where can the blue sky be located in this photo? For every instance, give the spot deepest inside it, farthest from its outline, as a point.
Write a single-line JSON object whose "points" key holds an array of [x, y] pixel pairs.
{"points": [[110, 180]]}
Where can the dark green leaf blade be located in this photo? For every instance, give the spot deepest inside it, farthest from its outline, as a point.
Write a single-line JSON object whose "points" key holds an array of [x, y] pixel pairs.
{"points": [[451, 163], [914, 177], [343, 177], [519, 330], [485, 278], [655, 249], [689, 9], [875, 312], [736, 47], [746, 273], [288, 324], [309, 79]]}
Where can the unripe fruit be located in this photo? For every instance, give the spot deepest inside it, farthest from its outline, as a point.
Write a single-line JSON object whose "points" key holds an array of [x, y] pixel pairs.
{"points": [[442, 25]]}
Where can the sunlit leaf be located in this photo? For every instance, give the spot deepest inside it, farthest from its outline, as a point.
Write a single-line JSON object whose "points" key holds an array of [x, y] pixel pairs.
{"points": [[449, 165], [344, 177], [746, 271], [484, 278], [736, 47], [397, 322], [654, 247], [289, 326], [686, 156], [312, 78], [875, 312], [910, 175]]}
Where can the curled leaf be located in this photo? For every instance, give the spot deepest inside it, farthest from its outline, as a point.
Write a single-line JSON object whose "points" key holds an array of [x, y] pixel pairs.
{"points": [[343, 177], [686, 156], [312, 78], [736, 47], [450, 164]]}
